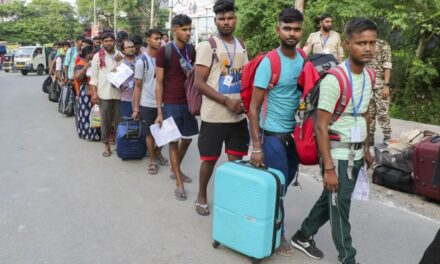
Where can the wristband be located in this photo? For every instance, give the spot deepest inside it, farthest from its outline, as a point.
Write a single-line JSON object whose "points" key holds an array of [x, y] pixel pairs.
{"points": [[330, 169]]}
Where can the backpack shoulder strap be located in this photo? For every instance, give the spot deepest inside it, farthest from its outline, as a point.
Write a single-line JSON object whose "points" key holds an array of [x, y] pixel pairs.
{"points": [[372, 74], [345, 92], [213, 45], [275, 67], [242, 43], [302, 53], [145, 61]]}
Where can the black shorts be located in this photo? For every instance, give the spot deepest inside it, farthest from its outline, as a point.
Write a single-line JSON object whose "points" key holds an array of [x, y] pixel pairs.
{"points": [[149, 115], [212, 135]]}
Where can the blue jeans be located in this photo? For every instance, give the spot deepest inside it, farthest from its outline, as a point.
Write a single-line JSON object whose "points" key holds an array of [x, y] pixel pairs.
{"points": [[278, 156], [126, 109]]}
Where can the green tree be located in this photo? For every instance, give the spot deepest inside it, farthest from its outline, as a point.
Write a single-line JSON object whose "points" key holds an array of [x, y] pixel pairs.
{"points": [[40, 21], [137, 13]]}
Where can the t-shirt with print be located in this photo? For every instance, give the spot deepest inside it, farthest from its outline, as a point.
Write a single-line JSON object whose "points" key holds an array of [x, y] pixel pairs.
{"points": [[212, 111], [283, 99], [328, 96], [145, 70], [127, 87], [174, 90]]}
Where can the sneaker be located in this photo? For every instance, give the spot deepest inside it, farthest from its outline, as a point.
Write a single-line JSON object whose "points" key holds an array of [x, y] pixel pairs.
{"points": [[306, 245]]}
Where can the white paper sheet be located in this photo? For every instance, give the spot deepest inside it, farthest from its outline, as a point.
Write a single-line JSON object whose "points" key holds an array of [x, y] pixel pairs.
{"points": [[123, 72], [362, 187], [169, 132]]}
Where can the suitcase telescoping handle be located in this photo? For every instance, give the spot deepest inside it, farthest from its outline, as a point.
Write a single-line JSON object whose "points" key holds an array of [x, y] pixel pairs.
{"points": [[129, 119]]}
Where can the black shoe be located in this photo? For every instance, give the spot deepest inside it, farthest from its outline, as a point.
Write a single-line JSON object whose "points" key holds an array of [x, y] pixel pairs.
{"points": [[306, 245]]}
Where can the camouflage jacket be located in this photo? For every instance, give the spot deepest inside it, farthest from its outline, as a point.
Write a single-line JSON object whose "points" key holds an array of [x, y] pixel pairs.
{"points": [[382, 59]]}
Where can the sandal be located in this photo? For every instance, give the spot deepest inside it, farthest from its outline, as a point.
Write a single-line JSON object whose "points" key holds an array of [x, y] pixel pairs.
{"points": [[163, 161], [202, 209], [284, 249], [153, 168], [185, 178], [106, 153], [180, 194]]}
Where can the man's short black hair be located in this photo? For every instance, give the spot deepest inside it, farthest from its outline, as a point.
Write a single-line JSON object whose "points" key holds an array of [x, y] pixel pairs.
{"points": [[107, 35], [152, 31], [86, 51], [88, 41], [56, 43], [290, 15], [324, 16], [223, 6], [121, 35], [65, 43], [125, 41], [80, 37], [181, 20], [136, 39], [358, 25], [96, 37]]}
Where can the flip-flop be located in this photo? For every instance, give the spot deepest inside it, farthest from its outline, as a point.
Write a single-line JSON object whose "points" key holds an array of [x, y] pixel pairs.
{"points": [[202, 209], [180, 194], [185, 178], [106, 153], [153, 168], [163, 161]]}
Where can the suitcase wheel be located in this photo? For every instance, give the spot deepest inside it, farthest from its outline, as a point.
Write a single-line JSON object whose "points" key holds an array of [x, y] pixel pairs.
{"points": [[255, 261], [215, 244]]}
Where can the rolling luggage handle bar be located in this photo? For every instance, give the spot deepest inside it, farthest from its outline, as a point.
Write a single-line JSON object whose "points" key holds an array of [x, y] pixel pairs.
{"points": [[126, 121]]}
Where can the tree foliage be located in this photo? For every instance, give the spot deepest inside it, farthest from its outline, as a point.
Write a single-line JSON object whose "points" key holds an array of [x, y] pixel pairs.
{"points": [[40, 21], [135, 18]]}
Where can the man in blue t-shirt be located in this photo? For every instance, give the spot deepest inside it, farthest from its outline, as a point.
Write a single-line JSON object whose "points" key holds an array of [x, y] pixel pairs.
{"points": [[272, 126]]}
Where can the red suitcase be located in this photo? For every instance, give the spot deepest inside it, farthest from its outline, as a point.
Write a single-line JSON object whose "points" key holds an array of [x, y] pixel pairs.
{"points": [[424, 164]]}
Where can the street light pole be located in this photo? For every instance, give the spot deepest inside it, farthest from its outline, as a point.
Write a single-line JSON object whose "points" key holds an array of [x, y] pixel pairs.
{"points": [[152, 14], [114, 13], [94, 12]]}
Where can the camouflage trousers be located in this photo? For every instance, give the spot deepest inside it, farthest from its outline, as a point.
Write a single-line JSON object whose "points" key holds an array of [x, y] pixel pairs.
{"points": [[378, 109]]}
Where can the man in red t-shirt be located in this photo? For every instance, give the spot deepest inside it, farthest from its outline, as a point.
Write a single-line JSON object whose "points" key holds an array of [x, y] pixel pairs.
{"points": [[171, 97]]}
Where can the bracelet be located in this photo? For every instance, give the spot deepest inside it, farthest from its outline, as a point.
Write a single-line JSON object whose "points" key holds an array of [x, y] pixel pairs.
{"points": [[256, 151], [330, 169]]}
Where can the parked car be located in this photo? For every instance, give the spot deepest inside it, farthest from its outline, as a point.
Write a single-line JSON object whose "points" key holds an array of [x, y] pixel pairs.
{"points": [[31, 59]]}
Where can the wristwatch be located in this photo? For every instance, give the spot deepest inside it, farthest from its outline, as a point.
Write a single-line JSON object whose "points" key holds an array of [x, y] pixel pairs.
{"points": [[387, 84]]}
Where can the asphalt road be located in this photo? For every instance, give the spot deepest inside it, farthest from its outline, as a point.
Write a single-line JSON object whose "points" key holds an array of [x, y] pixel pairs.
{"points": [[61, 202]]}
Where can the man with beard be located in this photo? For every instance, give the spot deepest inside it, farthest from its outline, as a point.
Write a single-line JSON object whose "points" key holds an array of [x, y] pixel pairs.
{"points": [[104, 92], [270, 131], [342, 160], [222, 112], [325, 40], [171, 73], [127, 87]]}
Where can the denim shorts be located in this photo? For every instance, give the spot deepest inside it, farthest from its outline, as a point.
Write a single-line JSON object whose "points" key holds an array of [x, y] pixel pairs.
{"points": [[184, 120]]}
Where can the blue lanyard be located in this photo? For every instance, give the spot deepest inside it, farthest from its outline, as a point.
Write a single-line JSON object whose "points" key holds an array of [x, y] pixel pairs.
{"points": [[324, 41], [187, 52], [231, 58], [358, 107]]}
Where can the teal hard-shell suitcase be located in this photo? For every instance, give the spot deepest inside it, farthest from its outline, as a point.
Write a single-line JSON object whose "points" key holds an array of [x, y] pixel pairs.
{"points": [[248, 209]]}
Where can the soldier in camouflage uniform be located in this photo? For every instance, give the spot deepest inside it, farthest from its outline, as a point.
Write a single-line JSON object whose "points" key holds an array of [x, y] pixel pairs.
{"points": [[380, 101]]}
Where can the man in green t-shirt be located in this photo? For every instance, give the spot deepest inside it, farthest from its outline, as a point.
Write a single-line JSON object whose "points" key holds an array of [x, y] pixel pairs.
{"points": [[342, 160]]}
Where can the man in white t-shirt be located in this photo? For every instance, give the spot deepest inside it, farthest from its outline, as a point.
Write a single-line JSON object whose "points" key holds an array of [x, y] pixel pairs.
{"points": [[144, 96]]}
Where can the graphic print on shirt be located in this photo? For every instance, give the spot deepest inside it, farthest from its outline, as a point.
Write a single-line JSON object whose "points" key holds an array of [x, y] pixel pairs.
{"points": [[230, 77]]}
